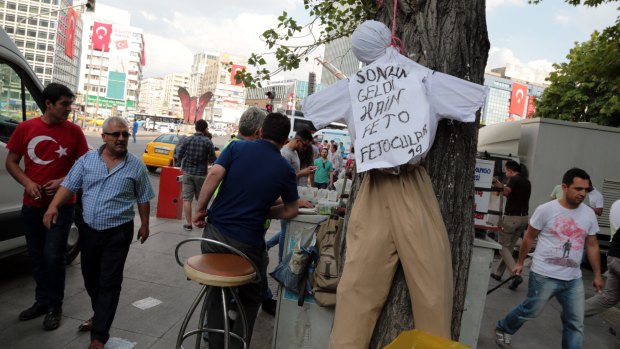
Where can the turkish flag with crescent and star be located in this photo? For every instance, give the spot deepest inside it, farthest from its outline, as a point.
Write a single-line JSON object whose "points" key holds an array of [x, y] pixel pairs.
{"points": [[101, 36], [70, 33], [517, 99], [233, 70]]}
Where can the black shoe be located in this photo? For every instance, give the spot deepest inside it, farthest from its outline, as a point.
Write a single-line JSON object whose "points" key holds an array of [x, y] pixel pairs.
{"points": [[34, 311], [612, 331], [269, 306], [496, 277], [52, 319], [515, 283]]}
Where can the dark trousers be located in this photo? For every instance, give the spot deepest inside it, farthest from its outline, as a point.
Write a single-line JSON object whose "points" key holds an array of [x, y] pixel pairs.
{"points": [[321, 185], [103, 260], [250, 295], [47, 252]]}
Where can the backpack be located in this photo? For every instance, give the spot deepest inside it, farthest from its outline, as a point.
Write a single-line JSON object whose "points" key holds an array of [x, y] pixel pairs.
{"points": [[326, 274]]}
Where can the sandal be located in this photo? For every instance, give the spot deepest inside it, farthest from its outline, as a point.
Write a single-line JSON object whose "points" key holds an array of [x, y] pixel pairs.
{"points": [[187, 227], [86, 325]]}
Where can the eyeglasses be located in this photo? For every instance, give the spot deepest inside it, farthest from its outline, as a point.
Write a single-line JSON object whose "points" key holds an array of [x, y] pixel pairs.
{"points": [[118, 134]]}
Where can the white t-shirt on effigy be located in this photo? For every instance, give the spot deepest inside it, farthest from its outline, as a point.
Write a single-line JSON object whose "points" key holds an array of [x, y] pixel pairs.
{"points": [[561, 240], [392, 107]]}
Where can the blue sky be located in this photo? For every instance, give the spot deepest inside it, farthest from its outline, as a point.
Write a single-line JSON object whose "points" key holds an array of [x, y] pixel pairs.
{"points": [[531, 35]]}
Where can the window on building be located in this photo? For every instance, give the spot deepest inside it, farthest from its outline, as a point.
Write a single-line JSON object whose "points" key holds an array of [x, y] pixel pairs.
{"points": [[29, 56], [22, 7], [44, 23], [38, 70], [9, 30], [21, 31], [42, 35], [40, 58], [11, 6], [32, 21], [41, 47]]}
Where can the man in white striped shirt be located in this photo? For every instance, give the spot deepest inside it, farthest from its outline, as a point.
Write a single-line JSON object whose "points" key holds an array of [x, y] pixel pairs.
{"points": [[112, 181]]}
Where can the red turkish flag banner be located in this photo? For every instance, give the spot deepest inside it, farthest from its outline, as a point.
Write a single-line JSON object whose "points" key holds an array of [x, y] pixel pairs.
{"points": [[517, 99], [121, 44], [233, 70], [143, 58], [70, 33], [531, 107], [101, 36]]}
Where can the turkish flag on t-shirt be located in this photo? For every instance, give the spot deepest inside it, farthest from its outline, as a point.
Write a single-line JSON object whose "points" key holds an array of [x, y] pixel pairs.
{"points": [[101, 36], [517, 100]]}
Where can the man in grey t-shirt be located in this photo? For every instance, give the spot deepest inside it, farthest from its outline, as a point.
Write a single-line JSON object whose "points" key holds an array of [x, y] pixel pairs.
{"points": [[302, 139]]}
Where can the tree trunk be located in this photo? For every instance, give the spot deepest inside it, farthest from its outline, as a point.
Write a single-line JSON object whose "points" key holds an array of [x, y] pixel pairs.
{"points": [[450, 37]]}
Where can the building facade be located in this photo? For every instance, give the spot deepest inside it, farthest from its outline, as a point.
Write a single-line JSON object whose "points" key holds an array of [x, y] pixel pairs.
{"points": [[151, 97], [289, 94], [49, 34], [171, 101], [508, 99], [339, 54], [111, 63]]}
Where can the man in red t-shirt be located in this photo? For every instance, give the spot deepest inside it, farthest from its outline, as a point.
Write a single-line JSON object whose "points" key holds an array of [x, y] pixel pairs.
{"points": [[49, 145]]}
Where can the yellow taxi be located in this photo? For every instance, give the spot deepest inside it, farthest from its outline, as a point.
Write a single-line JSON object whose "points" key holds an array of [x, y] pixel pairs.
{"points": [[160, 152]]}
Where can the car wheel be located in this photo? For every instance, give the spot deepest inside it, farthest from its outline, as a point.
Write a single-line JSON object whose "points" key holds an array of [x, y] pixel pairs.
{"points": [[151, 169], [73, 244], [73, 240]]}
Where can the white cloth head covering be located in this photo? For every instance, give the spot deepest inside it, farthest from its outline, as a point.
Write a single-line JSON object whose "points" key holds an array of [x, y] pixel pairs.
{"points": [[370, 40]]}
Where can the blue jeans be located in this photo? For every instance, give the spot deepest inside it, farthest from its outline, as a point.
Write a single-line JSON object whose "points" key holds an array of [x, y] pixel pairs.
{"points": [[46, 249], [279, 239], [570, 295]]}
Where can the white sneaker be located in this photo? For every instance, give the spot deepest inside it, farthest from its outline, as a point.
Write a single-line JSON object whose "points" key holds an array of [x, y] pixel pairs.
{"points": [[503, 339]]}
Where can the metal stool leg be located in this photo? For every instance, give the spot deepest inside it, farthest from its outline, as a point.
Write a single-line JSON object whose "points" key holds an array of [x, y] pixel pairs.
{"points": [[192, 308], [226, 326], [244, 317], [201, 318]]}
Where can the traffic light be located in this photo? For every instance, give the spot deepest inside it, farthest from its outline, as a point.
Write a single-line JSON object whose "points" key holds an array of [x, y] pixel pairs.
{"points": [[269, 108], [90, 5]]}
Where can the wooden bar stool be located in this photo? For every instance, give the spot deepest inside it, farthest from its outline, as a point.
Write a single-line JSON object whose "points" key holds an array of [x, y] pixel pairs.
{"points": [[217, 271]]}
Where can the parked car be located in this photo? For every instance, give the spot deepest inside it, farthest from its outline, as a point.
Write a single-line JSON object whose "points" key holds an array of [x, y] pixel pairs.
{"points": [[22, 91], [160, 152], [218, 133]]}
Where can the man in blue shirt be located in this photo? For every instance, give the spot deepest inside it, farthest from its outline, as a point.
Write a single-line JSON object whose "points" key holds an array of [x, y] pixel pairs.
{"points": [[253, 175], [134, 132], [112, 181]]}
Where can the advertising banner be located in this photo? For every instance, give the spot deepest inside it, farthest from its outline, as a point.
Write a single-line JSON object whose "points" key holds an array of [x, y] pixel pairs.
{"points": [[483, 178]]}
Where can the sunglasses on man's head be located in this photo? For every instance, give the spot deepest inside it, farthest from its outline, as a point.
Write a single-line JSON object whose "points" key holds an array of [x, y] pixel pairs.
{"points": [[118, 134]]}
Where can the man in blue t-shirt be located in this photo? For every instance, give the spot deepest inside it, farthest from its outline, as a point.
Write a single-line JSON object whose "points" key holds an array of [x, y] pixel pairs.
{"points": [[253, 175]]}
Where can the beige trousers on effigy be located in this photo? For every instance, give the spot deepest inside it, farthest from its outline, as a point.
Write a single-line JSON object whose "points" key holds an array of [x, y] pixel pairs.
{"points": [[394, 217]]}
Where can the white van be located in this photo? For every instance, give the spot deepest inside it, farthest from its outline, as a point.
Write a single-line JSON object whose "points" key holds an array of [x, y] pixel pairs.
{"points": [[20, 99], [337, 136]]}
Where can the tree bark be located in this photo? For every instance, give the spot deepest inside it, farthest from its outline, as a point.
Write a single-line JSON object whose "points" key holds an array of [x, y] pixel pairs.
{"points": [[450, 37]]}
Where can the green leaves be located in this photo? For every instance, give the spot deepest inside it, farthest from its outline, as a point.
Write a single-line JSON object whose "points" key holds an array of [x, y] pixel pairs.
{"points": [[587, 87], [330, 20]]}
